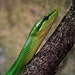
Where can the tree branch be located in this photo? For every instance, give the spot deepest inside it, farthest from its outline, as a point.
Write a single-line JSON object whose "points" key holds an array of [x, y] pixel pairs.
{"points": [[46, 62]]}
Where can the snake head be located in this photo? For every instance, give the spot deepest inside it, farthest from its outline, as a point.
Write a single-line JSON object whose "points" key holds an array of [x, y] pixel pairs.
{"points": [[43, 25]]}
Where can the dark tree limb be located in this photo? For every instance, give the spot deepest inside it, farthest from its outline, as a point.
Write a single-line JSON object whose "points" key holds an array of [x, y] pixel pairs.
{"points": [[46, 62]]}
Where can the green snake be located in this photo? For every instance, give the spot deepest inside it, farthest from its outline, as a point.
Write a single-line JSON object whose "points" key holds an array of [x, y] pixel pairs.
{"points": [[36, 36]]}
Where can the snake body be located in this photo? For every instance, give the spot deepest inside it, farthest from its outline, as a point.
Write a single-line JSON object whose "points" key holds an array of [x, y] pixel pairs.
{"points": [[36, 36]]}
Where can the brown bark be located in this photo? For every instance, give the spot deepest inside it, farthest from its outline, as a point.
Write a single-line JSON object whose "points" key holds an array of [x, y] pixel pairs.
{"points": [[46, 62]]}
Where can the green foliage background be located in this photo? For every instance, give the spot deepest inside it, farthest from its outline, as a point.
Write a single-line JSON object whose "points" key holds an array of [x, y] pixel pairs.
{"points": [[17, 17]]}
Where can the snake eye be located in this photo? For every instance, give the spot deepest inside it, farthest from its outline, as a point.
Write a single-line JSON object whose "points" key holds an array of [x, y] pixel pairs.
{"points": [[45, 17]]}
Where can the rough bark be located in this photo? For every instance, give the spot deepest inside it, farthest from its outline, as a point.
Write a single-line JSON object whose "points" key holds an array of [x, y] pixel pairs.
{"points": [[47, 61]]}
